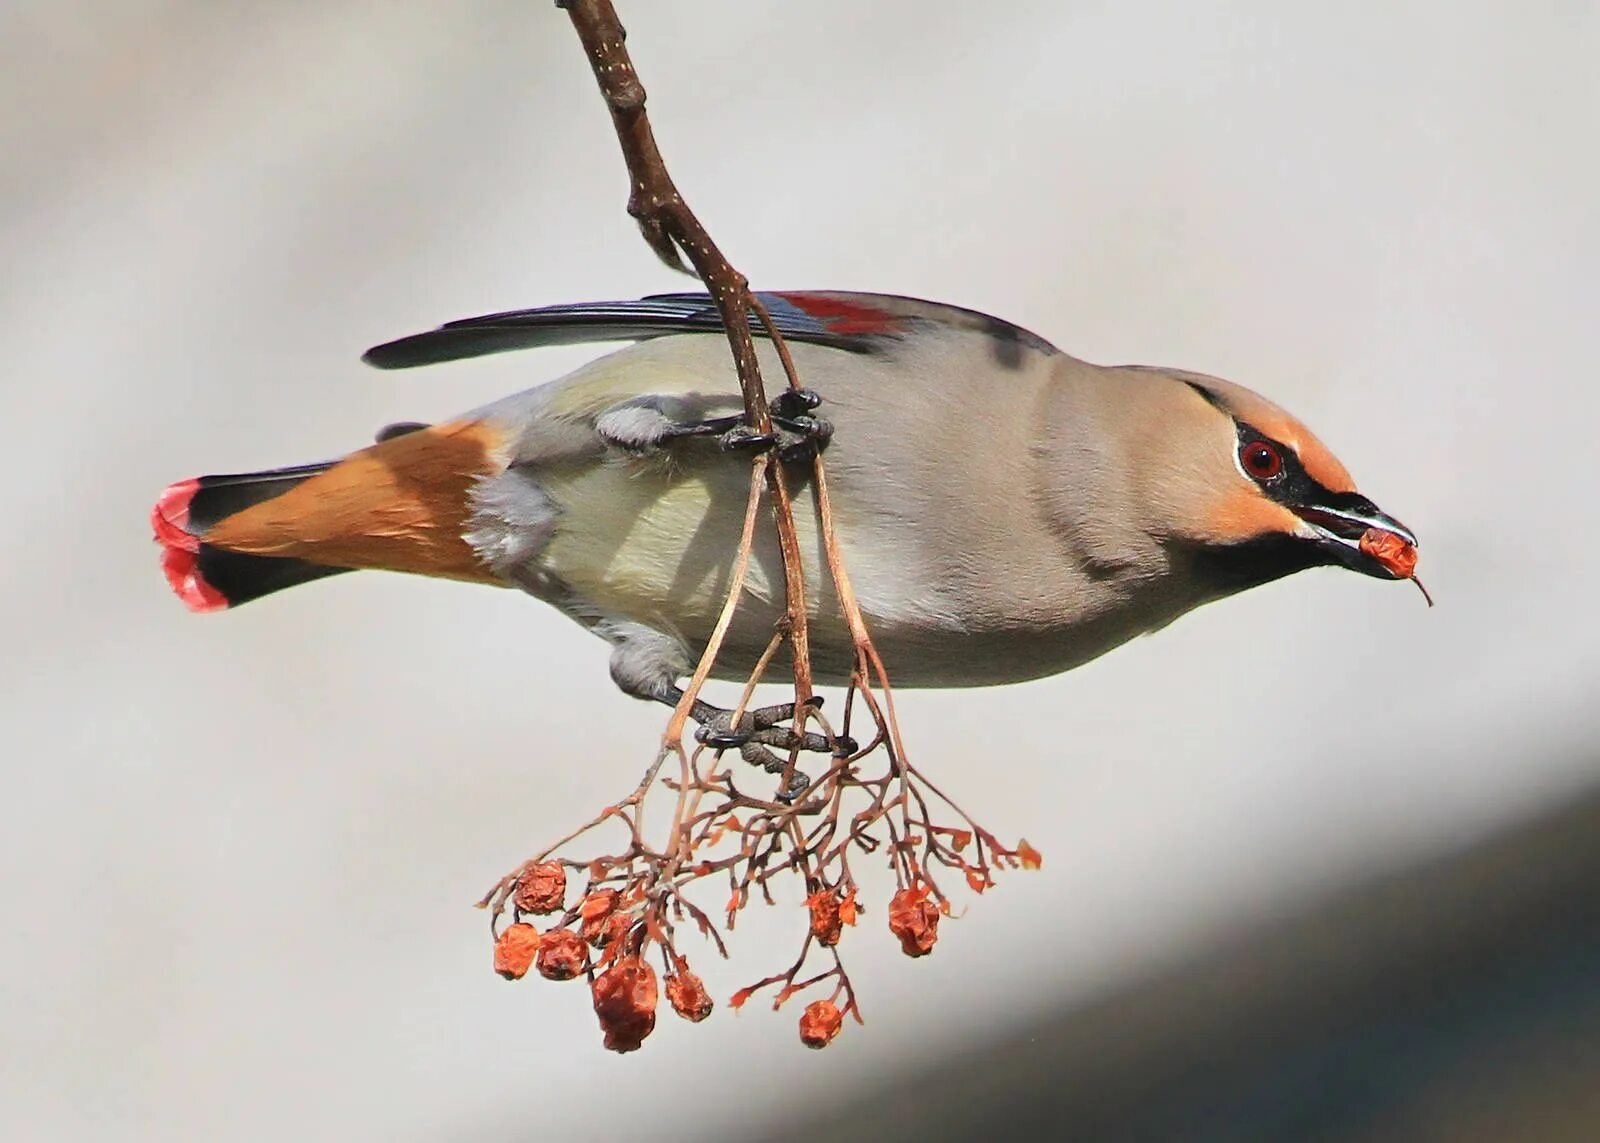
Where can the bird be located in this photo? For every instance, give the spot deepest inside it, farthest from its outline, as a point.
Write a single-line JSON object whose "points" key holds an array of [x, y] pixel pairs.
{"points": [[1005, 511]]}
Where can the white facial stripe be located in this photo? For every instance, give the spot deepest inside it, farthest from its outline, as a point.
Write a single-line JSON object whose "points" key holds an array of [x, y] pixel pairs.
{"points": [[1309, 531]]}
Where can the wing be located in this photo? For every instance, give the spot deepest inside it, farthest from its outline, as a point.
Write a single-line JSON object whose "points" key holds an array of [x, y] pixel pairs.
{"points": [[859, 323]]}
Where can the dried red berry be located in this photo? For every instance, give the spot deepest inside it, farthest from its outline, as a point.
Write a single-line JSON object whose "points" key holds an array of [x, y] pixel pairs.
{"points": [[515, 949], [848, 909], [598, 904], [826, 923], [562, 955], [687, 994], [915, 920], [595, 911], [541, 888], [625, 1001], [607, 931], [1397, 555], [820, 1023], [1028, 856]]}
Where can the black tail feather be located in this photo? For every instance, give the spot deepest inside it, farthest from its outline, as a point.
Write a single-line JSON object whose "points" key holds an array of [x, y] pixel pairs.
{"points": [[241, 578], [219, 497]]}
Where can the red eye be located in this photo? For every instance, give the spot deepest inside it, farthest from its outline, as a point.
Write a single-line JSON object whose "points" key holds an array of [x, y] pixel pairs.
{"points": [[1261, 460]]}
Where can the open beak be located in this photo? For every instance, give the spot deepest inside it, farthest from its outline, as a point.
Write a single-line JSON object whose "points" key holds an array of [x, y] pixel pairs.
{"points": [[1355, 534]]}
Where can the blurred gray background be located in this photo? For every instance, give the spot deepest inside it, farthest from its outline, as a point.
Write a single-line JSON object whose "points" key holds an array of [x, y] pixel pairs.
{"points": [[239, 850]]}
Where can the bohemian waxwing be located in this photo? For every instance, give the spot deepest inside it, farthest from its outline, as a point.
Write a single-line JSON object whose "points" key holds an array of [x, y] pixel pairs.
{"points": [[1006, 511]]}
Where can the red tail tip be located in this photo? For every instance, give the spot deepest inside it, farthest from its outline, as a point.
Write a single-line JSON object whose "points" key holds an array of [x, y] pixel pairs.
{"points": [[180, 549]]}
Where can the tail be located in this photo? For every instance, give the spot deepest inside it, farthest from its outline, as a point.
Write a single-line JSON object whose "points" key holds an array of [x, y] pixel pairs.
{"points": [[401, 505], [207, 577]]}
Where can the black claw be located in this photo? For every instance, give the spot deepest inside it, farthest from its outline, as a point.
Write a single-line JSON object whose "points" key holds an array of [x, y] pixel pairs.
{"points": [[805, 425], [721, 739], [792, 402], [743, 438]]}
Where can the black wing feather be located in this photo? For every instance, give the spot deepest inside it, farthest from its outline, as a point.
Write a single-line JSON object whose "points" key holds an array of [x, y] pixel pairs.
{"points": [[655, 316]]}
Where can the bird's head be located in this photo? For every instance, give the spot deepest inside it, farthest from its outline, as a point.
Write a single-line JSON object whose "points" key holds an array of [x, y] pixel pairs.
{"points": [[1259, 496]]}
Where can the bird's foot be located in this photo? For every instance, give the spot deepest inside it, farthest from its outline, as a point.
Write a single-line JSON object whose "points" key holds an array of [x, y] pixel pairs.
{"points": [[801, 433], [763, 726], [758, 735], [797, 432]]}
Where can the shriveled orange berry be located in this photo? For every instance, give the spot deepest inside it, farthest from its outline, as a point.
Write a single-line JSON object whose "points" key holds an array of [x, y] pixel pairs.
{"points": [[625, 1000], [595, 910], [608, 930], [820, 1023], [562, 955], [848, 909], [598, 904], [514, 951], [826, 924], [687, 994], [541, 888], [1397, 555], [915, 920]]}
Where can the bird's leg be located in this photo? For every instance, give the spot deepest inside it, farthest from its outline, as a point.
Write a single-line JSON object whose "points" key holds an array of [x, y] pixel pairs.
{"points": [[647, 663], [642, 424]]}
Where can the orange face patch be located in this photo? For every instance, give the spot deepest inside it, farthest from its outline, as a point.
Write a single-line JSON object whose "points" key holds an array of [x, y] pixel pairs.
{"points": [[1244, 514], [402, 505]]}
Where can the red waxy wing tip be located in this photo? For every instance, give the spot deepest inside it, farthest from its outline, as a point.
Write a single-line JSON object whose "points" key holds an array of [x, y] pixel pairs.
{"points": [[843, 316]]}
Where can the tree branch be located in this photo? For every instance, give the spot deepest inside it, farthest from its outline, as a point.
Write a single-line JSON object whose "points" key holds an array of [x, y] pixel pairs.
{"points": [[669, 226], [637, 897], [654, 201]]}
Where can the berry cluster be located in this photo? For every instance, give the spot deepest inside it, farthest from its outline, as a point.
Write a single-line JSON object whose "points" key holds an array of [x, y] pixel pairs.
{"points": [[635, 904]]}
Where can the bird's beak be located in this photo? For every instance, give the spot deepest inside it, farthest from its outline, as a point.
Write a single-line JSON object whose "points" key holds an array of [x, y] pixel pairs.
{"points": [[1356, 534]]}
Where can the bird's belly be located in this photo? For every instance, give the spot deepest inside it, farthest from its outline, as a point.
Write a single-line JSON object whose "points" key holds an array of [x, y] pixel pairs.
{"points": [[659, 546]]}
